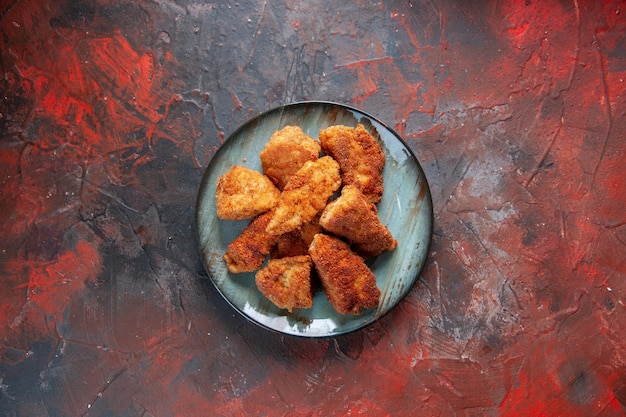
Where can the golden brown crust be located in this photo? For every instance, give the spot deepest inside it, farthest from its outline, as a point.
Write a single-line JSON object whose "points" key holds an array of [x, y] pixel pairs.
{"points": [[243, 193], [286, 282], [360, 157], [286, 224], [248, 251], [355, 218], [285, 153], [349, 284], [305, 195], [296, 242]]}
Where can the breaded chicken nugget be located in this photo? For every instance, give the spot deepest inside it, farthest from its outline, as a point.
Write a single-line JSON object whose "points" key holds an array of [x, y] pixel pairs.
{"points": [[355, 218], [297, 241], [243, 193], [248, 251], [286, 282], [360, 157], [285, 153], [349, 284], [305, 195]]}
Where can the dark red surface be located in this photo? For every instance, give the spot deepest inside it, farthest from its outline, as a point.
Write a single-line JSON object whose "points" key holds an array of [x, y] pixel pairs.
{"points": [[111, 110]]}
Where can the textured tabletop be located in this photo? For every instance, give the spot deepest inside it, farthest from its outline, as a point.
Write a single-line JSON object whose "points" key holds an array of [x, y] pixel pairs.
{"points": [[111, 111]]}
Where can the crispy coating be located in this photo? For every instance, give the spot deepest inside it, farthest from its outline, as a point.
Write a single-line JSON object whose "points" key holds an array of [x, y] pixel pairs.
{"points": [[248, 251], [349, 284], [360, 157], [296, 242], [355, 218], [305, 195], [286, 282], [243, 193], [285, 153]]}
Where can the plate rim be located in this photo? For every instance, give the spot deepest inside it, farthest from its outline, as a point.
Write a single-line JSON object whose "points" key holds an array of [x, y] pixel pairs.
{"points": [[428, 198]]}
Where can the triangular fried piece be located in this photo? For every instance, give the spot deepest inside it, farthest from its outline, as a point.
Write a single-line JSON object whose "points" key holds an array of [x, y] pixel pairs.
{"points": [[355, 218], [305, 195], [243, 193], [359, 155], [285, 153], [286, 282], [248, 251], [349, 284]]}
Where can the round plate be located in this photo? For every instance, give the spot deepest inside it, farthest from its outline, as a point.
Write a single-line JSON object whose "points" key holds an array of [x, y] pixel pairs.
{"points": [[405, 208]]}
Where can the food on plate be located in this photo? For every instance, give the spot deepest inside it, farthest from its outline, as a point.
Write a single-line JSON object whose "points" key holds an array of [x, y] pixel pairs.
{"points": [[305, 195], [309, 237], [297, 241], [285, 153], [349, 284], [353, 217], [247, 252], [360, 157], [243, 193], [286, 282]]}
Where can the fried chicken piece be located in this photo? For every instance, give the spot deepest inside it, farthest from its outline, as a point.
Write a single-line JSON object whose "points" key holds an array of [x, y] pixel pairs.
{"points": [[248, 251], [297, 241], [305, 195], [355, 218], [286, 282], [349, 284], [285, 153], [243, 193], [360, 157]]}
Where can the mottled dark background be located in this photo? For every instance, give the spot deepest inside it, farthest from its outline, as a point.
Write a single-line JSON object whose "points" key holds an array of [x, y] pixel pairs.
{"points": [[111, 110]]}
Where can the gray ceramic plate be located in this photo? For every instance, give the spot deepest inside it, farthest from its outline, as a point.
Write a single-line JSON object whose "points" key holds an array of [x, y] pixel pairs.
{"points": [[406, 209]]}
